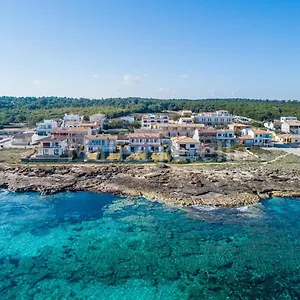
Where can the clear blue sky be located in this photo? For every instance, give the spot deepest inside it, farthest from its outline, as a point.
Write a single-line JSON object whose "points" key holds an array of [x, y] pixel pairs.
{"points": [[150, 48]]}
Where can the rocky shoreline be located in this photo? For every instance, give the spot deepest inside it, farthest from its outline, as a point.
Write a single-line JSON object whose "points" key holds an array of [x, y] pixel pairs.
{"points": [[176, 185]]}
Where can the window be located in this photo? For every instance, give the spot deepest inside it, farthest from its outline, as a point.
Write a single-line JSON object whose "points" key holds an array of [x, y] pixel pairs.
{"points": [[192, 145]]}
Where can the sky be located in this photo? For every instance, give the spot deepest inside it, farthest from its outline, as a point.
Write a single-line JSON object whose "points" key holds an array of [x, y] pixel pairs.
{"points": [[150, 48]]}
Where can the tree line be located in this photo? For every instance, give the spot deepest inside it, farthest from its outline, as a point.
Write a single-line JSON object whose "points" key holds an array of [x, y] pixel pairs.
{"points": [[35, 109]]}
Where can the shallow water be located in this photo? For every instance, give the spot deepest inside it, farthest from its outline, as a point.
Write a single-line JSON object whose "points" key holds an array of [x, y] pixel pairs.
{"points": [[96, 246]]}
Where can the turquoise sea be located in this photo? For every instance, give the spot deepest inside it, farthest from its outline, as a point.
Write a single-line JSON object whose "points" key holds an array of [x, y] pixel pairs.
{"points": [[95, 246]]}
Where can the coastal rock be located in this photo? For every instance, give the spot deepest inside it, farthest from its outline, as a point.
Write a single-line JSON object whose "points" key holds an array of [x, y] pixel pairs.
{"points": [[179, 185]]}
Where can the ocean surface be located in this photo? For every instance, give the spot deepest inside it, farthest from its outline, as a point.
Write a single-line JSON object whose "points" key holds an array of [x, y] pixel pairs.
{"points": [[96, 246]]}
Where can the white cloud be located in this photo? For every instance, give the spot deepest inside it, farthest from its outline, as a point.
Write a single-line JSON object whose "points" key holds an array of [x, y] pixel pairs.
{"points": [[129, 79], [185, 76], [36, 82], [164, 90], [95, 76], [146, 75]]}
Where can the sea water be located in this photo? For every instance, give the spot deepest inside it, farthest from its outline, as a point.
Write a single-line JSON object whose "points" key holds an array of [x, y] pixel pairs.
{"points": [[97, 246]]}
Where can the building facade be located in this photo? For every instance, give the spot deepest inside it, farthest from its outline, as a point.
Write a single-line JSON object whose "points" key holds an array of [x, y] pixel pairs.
{"points": [[44, 128], [225, 138], [149, 120], [51, 146], [261, 138], [220, 117], [75, 136], [151, 142], [183, 146], [173, 130], [291, 126], [104, 142]]}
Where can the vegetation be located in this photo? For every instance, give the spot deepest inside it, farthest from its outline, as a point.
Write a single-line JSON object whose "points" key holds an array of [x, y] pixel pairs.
{"points": [[13, 155], [32, 109]]}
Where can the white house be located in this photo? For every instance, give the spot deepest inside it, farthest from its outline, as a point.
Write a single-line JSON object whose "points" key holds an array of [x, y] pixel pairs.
{"points": [[51, 146], [289, 118], [103, 142], [186, 120], [139, 141], [183, 146], [261, 138], [148, 120], [276, 124], [44, 128], [71, 118], [291, 126], [220, 117], [225, 137]]}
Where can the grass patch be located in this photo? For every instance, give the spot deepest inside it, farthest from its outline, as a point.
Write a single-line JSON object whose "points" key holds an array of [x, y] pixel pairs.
{"points": [[13, 155], [136, 156], [91, 156], [113, 156], [162, 156]]}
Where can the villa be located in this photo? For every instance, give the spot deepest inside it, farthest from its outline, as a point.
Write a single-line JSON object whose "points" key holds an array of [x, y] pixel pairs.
{"points": [[44, 128], [151, 142], [291, 126], [225, 138], [289, 138], [185, 120], [71, 118], [261, 138], [148, 120], [173, 130], [75, 136], [236, 127], [206, 136], [186, 113], [183, 146], [104, 142], [51, 146], [220, 117]]}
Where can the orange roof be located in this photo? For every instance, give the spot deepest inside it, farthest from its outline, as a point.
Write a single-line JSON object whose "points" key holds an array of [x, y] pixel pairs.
{"points": [[293, 122], [101, 137], [69, 130], [246, 137], [260, 131], [184, 139], [145, 135]]}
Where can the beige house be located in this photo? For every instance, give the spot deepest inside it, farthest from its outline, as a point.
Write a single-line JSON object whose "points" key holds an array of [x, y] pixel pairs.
{"points": [[289, 138], [183, 146], [75, 136], [185, 120], [186, 113], [22, 139], [173, 130]]}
